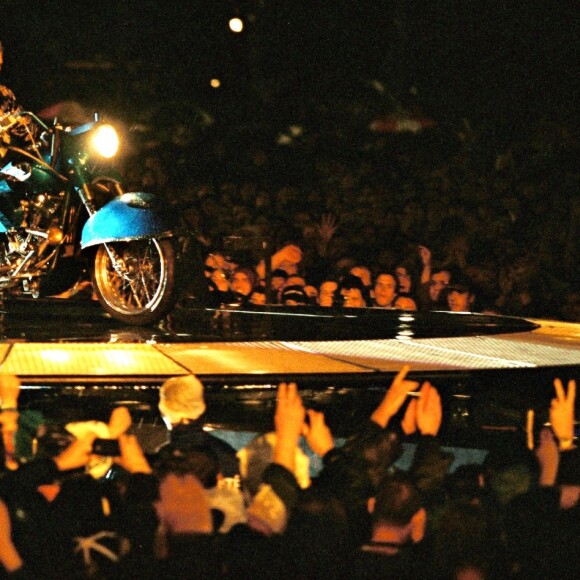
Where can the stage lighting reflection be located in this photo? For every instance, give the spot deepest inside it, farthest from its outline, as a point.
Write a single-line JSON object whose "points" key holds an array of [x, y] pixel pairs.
{"points": [[55, 356], [405, 330], [405, 334]]}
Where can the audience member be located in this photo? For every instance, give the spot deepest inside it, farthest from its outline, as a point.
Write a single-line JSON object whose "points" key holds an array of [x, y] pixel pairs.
{"points": [[405, 303], [407, 284], [278, 279], [294, 295], [384, 292], [218, 271], [365, 274], [182, 407], [396, 548], [242, 282], [460, 294], [258, 296], [326, 293], [352, 292]]}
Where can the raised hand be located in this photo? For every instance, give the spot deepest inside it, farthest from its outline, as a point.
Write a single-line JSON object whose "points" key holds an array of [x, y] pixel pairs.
{"points": [[132, 457], [548, 457], [9, 391], [562, 413], [290, 254], [289, 423], [429, 410], [119, 422], [425, 255], [424, 412], [394, 397], [9, 557], [327, 227], [219, 278], [318, 435], [77, 454], [290, 413], [409, 422]]}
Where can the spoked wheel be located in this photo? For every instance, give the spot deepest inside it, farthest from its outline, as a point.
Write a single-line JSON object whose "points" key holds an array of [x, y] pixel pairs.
{"points": [[135, 280]]}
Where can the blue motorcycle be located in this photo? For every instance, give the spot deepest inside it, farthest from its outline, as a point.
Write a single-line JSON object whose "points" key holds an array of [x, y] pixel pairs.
{"points": [[63, 210]]}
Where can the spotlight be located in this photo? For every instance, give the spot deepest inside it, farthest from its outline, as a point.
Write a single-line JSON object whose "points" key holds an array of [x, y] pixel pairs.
{"points": [[236, 25]]}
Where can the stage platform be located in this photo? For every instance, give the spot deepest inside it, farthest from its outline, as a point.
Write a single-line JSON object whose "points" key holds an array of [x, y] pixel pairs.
{"points": [[489, 369]]}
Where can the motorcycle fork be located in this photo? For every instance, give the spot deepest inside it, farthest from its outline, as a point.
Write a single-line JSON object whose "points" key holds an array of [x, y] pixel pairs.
{"points": [[119, 266]]}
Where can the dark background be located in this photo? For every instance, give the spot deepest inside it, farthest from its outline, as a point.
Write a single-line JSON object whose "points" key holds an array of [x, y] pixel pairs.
{"points": [[508, 61]]}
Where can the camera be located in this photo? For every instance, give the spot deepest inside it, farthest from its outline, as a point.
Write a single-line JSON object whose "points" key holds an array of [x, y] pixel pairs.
{"points": [[106, 447]]}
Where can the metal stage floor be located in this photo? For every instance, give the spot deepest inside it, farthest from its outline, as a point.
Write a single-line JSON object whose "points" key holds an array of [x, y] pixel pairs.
{"points": [[490, 369]]}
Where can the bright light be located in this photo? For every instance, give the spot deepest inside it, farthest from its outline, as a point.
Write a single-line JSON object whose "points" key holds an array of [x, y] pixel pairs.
{"points": [[106, 141], [120, 358], [215, 83], [236, 24], [55, 356]]}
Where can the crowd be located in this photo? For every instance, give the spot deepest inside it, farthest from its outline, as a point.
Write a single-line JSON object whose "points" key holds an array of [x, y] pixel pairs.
{"points": [[344, 284], [84, 500], [503, 214]]}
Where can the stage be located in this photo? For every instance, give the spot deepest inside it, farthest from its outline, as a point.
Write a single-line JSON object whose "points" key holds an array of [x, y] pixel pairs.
{"points": [[75, 361]]}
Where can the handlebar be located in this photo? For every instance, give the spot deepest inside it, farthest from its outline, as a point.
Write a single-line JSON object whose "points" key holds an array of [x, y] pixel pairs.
{"points": [[9, 120]]}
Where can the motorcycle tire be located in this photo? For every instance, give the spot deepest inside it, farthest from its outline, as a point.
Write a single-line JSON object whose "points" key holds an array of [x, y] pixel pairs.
{"points": [[143, 292]]}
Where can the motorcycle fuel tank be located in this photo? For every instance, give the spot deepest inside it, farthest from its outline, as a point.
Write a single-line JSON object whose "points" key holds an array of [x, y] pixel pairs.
{"points": [[133, 216]]}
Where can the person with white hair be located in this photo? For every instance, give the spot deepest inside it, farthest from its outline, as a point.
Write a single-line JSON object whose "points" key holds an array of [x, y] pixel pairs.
{"points": [[182, 407]]}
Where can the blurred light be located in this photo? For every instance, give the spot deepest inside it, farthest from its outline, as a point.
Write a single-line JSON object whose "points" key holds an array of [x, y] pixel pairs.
{"points": [[405, 333], [215, 83], [406, 317], [236, 24], [295, 130], [106, 141]]}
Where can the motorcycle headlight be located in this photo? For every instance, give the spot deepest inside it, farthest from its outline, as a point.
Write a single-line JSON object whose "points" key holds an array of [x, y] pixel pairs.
{"points": [[106, 141]]}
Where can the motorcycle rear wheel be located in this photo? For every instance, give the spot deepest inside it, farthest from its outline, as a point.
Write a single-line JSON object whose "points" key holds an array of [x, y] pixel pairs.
{"points": [[141, 290]]}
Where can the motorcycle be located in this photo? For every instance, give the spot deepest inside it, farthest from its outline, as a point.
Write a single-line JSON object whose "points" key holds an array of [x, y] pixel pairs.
{"points": [[63, 210]]}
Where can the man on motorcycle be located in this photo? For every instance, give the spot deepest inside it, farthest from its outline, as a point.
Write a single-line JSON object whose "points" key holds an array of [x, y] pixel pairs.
{"points": [[7, 97], [20, 134], [8, 107]]}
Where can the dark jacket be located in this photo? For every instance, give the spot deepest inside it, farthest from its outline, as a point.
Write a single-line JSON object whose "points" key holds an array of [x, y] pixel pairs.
{"points": [[189, 436]]}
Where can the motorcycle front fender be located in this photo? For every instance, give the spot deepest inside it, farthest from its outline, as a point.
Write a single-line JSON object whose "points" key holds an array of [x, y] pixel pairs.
{"points": [[132, 216]]}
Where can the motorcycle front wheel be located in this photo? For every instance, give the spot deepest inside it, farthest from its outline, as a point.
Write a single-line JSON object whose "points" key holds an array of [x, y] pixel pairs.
{"points": [[135, 280]]}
